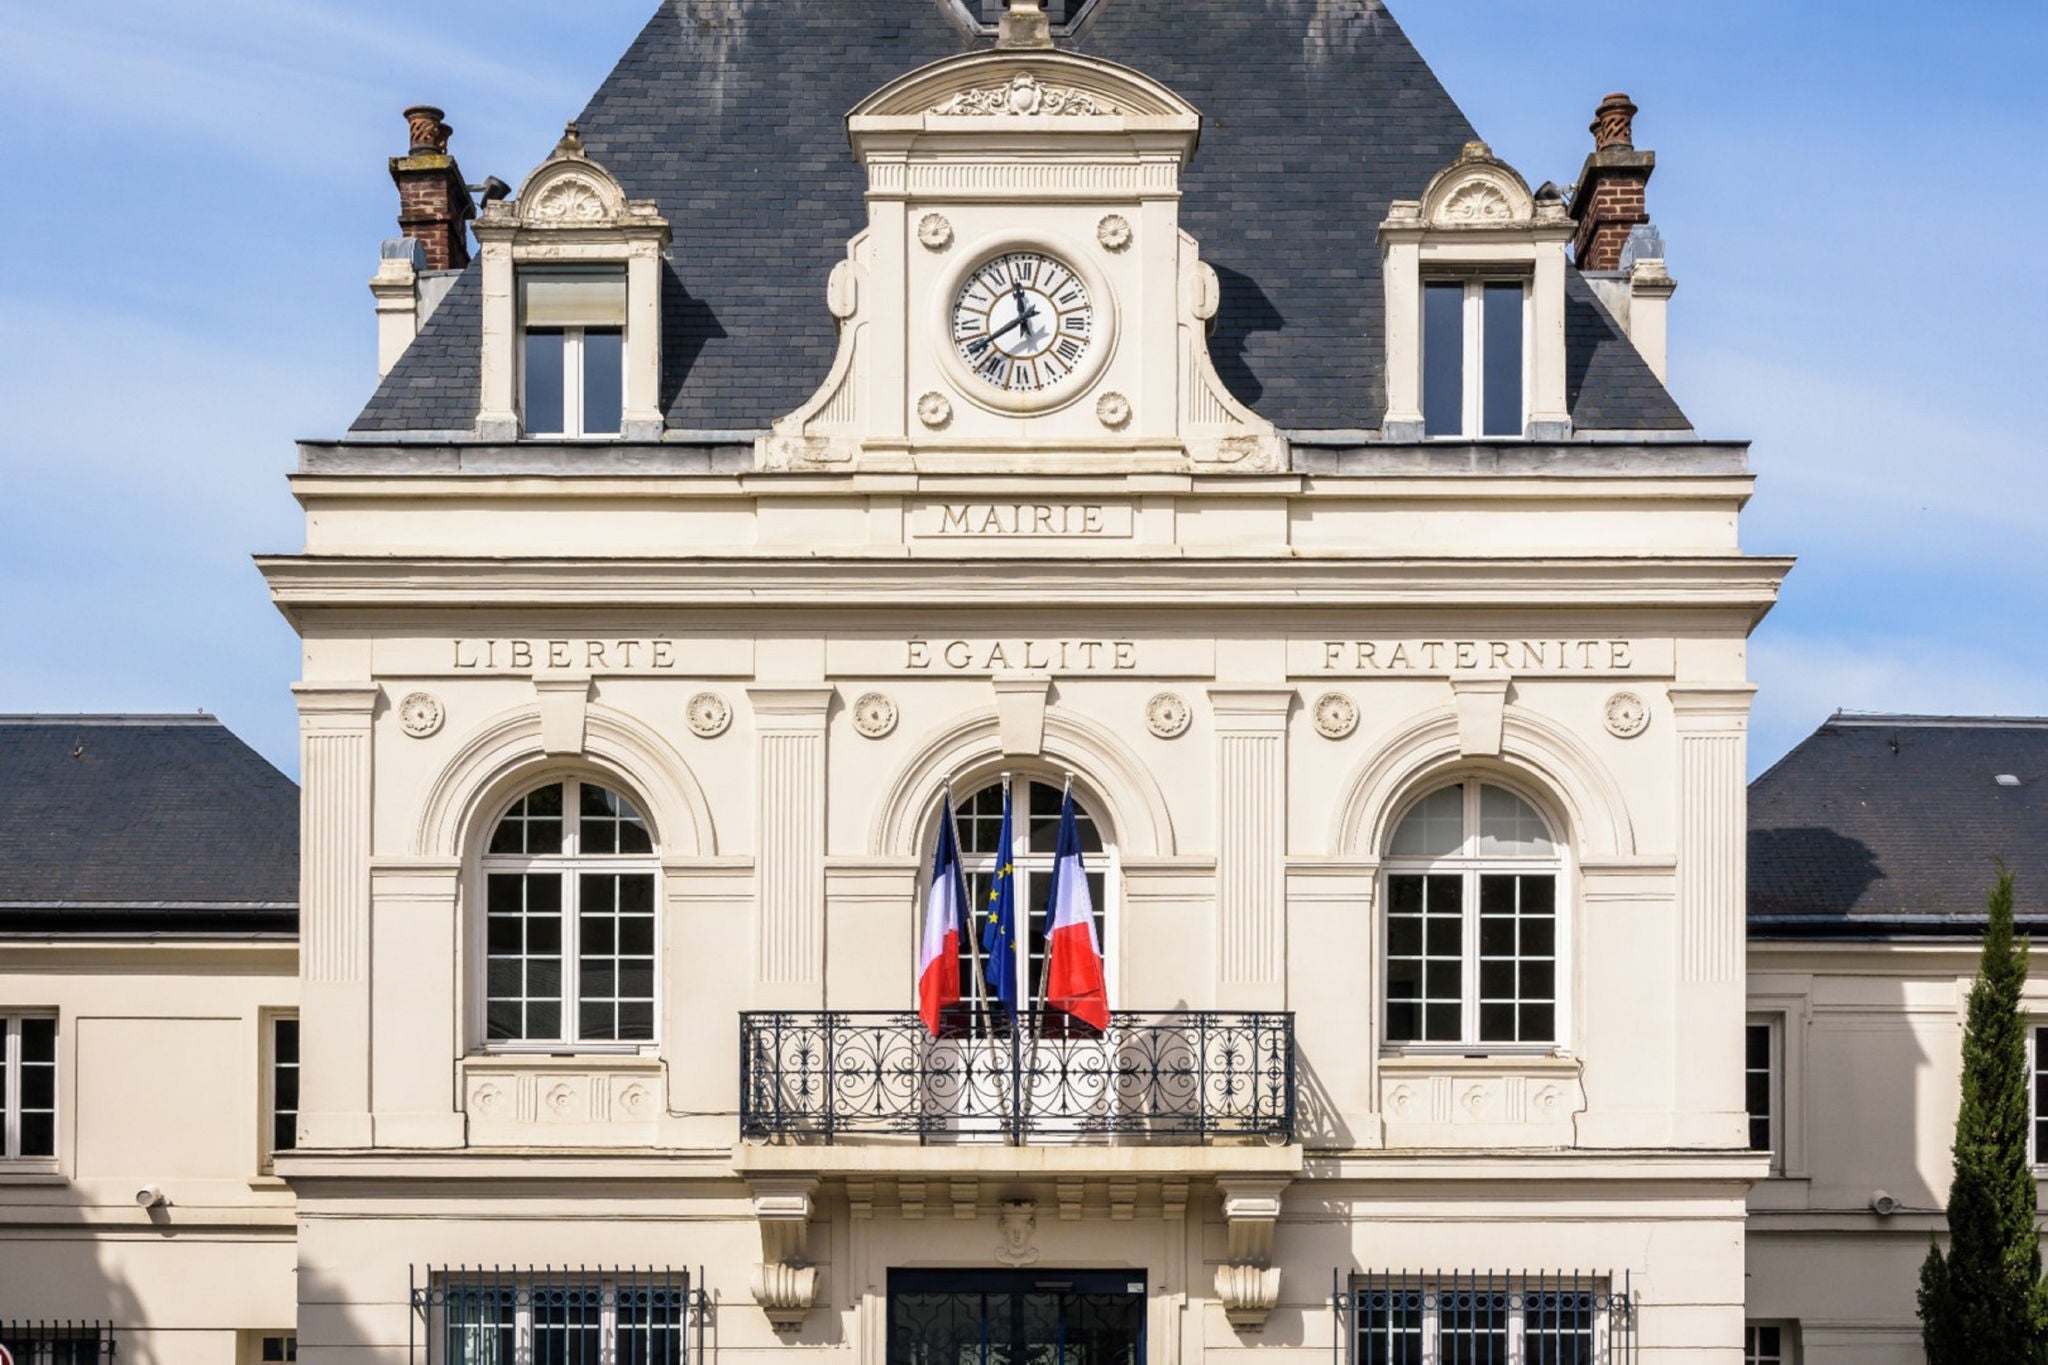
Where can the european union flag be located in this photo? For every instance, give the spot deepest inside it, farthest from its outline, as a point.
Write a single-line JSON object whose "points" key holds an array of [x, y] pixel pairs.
{"points": [[999, 934]]}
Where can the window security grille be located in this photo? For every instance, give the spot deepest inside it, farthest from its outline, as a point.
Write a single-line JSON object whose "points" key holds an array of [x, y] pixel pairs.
{"points": [[1435, 1318], [58, 1343], [555, 1316]]}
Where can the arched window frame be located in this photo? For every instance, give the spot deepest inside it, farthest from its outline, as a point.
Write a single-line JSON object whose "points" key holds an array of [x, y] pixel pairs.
{"points": [[1470, 865], [571, 864], [1032, 859]]}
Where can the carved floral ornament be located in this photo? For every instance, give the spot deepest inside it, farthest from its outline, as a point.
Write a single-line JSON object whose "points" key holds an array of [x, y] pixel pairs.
{"points": [[1023, 94], [1478, 190]]}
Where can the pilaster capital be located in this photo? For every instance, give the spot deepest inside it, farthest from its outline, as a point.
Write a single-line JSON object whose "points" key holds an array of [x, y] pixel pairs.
{"points": [[1251, 710], [790, 706], [336, 705], [1712, 706]]}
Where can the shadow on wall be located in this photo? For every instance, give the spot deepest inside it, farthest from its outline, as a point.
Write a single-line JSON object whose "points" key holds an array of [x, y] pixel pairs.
{"points": [[1242, 310], [1317, 1120]]}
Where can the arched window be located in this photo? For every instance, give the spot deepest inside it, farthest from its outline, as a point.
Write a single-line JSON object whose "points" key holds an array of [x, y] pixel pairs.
{"points": [[1034, 834], [569, 920], [1472, 925]]}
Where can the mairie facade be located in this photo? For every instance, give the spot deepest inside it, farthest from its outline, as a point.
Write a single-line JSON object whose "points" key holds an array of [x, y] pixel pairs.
{"points": [[860, 411]]}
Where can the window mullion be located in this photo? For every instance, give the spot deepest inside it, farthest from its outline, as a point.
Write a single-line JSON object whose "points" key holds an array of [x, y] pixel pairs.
{"points": [[10, 1054], [1475, 371], [572, 956], [572, 398]]}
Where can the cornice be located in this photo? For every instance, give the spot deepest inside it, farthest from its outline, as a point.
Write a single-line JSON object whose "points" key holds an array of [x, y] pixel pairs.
{"points": [[1730, 582]]}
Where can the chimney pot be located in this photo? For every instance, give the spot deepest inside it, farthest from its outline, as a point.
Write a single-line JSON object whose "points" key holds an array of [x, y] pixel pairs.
{"points": [[1614, 124], [430, 132]]}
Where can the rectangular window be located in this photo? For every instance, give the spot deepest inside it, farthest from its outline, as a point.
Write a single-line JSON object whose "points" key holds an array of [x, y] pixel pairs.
{"points": [[1430, 957], [28, 1087], [2040, 1106], [1760, 1084], [1473, 365], [51, 1343], [572, 351], [1765, 1344], [556, 1318], [284, 1083], [1503, 1319]]}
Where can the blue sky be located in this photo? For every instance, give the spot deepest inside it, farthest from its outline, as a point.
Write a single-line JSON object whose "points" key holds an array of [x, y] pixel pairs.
{"points": [[1850, 190]]}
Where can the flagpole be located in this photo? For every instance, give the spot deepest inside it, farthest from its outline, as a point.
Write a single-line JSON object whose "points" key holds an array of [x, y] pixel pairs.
{"points": [[1004, 856], [967, 905]]}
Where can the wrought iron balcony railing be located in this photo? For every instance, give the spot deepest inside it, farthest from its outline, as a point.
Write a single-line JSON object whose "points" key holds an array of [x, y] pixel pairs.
{"points": [[1184, 1076], [1514, 1318]]}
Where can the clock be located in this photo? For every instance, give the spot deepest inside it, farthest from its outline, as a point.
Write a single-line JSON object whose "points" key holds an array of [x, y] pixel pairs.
{"points": [[1023, 322]]}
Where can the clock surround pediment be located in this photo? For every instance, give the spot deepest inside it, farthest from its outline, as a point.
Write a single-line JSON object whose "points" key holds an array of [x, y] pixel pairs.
{"points": [[1070, 165]]}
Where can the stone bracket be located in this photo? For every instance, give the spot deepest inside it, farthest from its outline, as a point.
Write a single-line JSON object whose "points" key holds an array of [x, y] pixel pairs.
{"points": [[785, 1282], [1248, 1285]]}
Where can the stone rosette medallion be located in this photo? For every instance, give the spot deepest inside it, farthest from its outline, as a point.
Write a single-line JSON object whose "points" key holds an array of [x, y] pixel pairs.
{"points": [[1167, 715], [874, 715], [1627, 715], [934, 410], [1113, 410], [1336, 715], [708, 715], [935, 230], [1114, 232], [420, 714]]}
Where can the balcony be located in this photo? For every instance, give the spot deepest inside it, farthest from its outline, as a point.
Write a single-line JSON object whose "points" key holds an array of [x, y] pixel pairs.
{"points": [[1182, 1077]]}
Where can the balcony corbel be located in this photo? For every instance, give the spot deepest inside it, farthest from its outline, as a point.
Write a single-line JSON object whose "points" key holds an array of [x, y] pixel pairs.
{"points": [[785, 1283], [1248, 1285]]}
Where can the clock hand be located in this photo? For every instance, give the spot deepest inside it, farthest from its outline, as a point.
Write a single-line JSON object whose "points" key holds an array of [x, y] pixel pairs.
{"points": [[983, 343]]}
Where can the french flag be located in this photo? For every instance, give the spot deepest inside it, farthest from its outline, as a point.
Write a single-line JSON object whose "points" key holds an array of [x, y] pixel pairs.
{"points": [[938, 952], [1073, 973]]}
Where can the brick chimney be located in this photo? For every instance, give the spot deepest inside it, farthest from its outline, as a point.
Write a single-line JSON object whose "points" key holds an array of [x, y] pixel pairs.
{"points": [[1609, 201], [434, 206]]}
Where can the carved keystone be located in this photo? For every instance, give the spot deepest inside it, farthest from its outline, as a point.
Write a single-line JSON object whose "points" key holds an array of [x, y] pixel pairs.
{"points": [[785, 1283]]}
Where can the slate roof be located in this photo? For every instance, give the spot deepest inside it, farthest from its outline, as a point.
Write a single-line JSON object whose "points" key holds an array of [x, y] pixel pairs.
{"points": [[1892, 825], [143, 824], [730, 114]]}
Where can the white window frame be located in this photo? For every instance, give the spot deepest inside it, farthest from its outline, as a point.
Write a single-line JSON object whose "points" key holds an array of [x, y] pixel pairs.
{"points": [[1788, 1343], [2037, 1109], [572, 383], [1033, 872], [1470, 868], [267, 1118], [253, 1339], [569, 865], [1473, 367], [11, 1062], [1775, 1024]]}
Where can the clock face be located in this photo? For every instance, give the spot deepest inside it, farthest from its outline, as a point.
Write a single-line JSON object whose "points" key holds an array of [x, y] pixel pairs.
{"points": [[1023, 322]]}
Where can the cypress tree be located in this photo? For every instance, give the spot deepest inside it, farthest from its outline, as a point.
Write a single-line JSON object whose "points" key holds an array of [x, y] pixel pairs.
{"points": [[1984, 1300]]}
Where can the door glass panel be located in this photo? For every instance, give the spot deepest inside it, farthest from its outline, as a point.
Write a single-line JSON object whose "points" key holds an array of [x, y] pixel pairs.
{"points": [[1005, 1318]]}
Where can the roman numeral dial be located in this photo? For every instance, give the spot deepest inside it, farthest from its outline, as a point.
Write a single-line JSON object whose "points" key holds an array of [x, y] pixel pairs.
{"points": [[1023, 322]]}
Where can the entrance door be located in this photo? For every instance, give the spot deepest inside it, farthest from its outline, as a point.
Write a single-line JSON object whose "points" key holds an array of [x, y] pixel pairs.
{"points": [[1049, 1317]]}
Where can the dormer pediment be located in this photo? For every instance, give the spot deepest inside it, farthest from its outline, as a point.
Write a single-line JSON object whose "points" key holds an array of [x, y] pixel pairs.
{"points": [[1024, 89]]}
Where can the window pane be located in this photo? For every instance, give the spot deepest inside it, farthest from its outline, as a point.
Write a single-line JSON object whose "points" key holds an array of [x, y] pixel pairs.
{"points": [[284, 1085], [1557, 1327], [1390, 1327], [1757, 1085], [650, 1330], [608, 823], [1474, 1326], [544, 387], [1434, 829], [1502, 334], [480, 1326], [1425, 958], [1765, 1346], [1510, 827], [1443, 359], [616, 910], [604, 378], [37, 1098], [523, 936], [566, 1323], [1517, 974], [533, 825]]}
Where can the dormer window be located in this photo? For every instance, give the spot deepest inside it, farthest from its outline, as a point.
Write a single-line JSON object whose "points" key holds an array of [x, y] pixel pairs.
{"points": [[1475, 274], [572, 347], [1474, 349], [572, 275]]}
